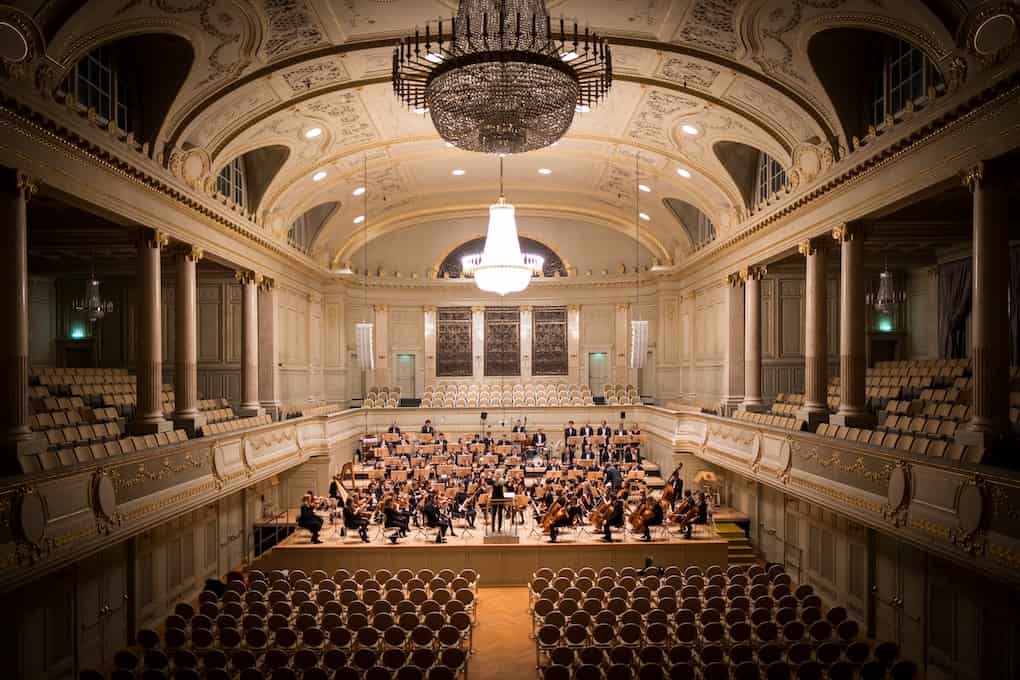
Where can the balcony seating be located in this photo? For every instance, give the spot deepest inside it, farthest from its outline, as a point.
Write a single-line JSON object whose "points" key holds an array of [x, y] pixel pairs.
{"points": [[785, 422], [382, 397], [464, 395], [235, 424]]}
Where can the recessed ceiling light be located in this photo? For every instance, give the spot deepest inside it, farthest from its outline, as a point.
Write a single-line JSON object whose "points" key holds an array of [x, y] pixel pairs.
{"points": [[644, 187], [644, 216], [434, 57], [684, 172], [544, 171], [582, 108], [421, 110], [359, 191], [458, 172], [359, 219], [689, 129], [319, 176], [569, 56], [312, 133]]}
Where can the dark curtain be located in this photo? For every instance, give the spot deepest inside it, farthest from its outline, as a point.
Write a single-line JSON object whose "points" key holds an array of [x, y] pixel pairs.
{"points": [[1014, 306], [954, 307]]}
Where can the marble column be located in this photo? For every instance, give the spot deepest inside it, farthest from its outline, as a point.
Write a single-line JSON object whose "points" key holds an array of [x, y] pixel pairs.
{"points": [[269, 358], [733, 366], [989, 423], [816, 344], [478, 344], [186, 414], [15, 432], [430, 344], [149, 350], [526, 330], [574, 344], [250, 282], [752, 277], [853, 410]]}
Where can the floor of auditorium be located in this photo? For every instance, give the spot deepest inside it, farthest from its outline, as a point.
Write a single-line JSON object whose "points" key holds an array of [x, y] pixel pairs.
{"points": [[502, 648]]}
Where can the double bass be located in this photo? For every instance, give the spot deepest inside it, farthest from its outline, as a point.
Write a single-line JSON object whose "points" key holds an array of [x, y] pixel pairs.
{"points": [[641, 514]]}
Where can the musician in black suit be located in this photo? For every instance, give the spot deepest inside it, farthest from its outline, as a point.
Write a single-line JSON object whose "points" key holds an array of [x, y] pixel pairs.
{"points": [[613, 477], [587, 430], [464, 506], [569, 432], [308, 519], [353, 520], [518, 427], [394, 429], [604, 429], [334, 487], [538, 439], [700, 518], [615, 519], [561, 522], [655, 520], [395, 519], [427, 428], [435, 519], [498, 494]]}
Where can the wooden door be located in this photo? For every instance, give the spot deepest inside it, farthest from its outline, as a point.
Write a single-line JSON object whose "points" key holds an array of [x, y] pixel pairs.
{"points": [[405, 375], [598, 373]]}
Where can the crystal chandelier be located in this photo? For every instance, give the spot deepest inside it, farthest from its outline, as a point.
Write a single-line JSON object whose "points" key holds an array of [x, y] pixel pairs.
{"points": [[497, 79], [888, 297], [92, 304], [502, 268]]}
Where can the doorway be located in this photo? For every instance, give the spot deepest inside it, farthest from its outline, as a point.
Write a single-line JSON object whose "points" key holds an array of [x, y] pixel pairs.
{"points": [[598, 373], [405, 375]]}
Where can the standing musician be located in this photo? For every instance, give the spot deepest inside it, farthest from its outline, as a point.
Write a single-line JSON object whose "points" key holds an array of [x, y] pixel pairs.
{"points": [[498, 494], [353, 519], [604, 430], [569, 432], [435, 519], [621, 448], [676, 483], [394, 518], [518, 427], [587, 430], [393, 428], [427, 427], [613, 477], [308, 519], [656, 518], [615, 519], [538, 439], [334, 487]]}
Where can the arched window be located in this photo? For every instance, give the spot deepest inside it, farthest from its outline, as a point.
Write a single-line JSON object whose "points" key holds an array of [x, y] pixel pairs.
{"points": [[697, 224], [98, 81], [771, 178], [303, 231], [232, 182], [901, 73]]}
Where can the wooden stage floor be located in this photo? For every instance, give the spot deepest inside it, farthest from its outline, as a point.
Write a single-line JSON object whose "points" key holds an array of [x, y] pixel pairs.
{"points": [[499, 564]]}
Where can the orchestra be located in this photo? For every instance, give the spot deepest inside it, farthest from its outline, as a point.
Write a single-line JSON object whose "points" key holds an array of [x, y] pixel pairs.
{"points": [[425, 480]]}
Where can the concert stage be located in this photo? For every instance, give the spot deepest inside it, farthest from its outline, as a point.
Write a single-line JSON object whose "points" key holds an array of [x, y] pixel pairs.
{"points": [[500, 564]]}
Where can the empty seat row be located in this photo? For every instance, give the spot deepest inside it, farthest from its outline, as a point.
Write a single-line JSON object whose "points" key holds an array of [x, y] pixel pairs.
{"points": [[236, 424]]}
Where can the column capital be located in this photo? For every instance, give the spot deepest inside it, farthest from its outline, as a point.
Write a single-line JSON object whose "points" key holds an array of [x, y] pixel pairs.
{"points": [[973, 176], [810, 246], [17, 181], [844, 232], [733, 280], [314, 297], [429, 308], [380, 308], [192, 253], [525, 308], [753, 273], [573, 308], [248, 277], [478, 308], [622, 306], [268, 283], [154, 238]]}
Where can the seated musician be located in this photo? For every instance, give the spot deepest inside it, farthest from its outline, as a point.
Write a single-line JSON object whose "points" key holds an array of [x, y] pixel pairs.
{"points": [[427, 427], [476, 439], [307, 519], [394, 429], [518, 427], [700, 517], [655, 520], [631, 454], [615, 519], [354, 520], [435, 519], [587, 452], [587, 430], [464, 505], [503, 441], [564, 520], [394, 518], [442, 441], [488, 440]]}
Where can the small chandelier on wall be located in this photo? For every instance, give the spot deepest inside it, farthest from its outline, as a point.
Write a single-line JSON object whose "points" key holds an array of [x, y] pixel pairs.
{"points": [[92, 305], [888, 297], [497, 78], [502, 268]]}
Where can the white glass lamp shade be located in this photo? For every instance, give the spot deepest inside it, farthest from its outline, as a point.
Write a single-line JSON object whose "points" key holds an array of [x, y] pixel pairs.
{"points": [[638, 343], [502, 269], [364, 333]]}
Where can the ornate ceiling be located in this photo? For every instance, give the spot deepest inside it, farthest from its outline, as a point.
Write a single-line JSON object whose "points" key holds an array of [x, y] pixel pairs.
{"points": [[265, 71]]}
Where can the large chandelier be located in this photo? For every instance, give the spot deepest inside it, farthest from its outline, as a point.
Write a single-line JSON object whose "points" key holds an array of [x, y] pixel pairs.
{"points": [[92, 305], [502, 268], [497, 79]]}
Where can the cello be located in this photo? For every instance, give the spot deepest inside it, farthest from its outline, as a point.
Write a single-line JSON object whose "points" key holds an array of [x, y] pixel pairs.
{"points": [[555, 513]]}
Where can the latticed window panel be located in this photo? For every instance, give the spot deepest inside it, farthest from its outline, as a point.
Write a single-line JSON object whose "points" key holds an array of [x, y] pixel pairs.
{"points": [[453, 342], [502, 341], [549, 341]]}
